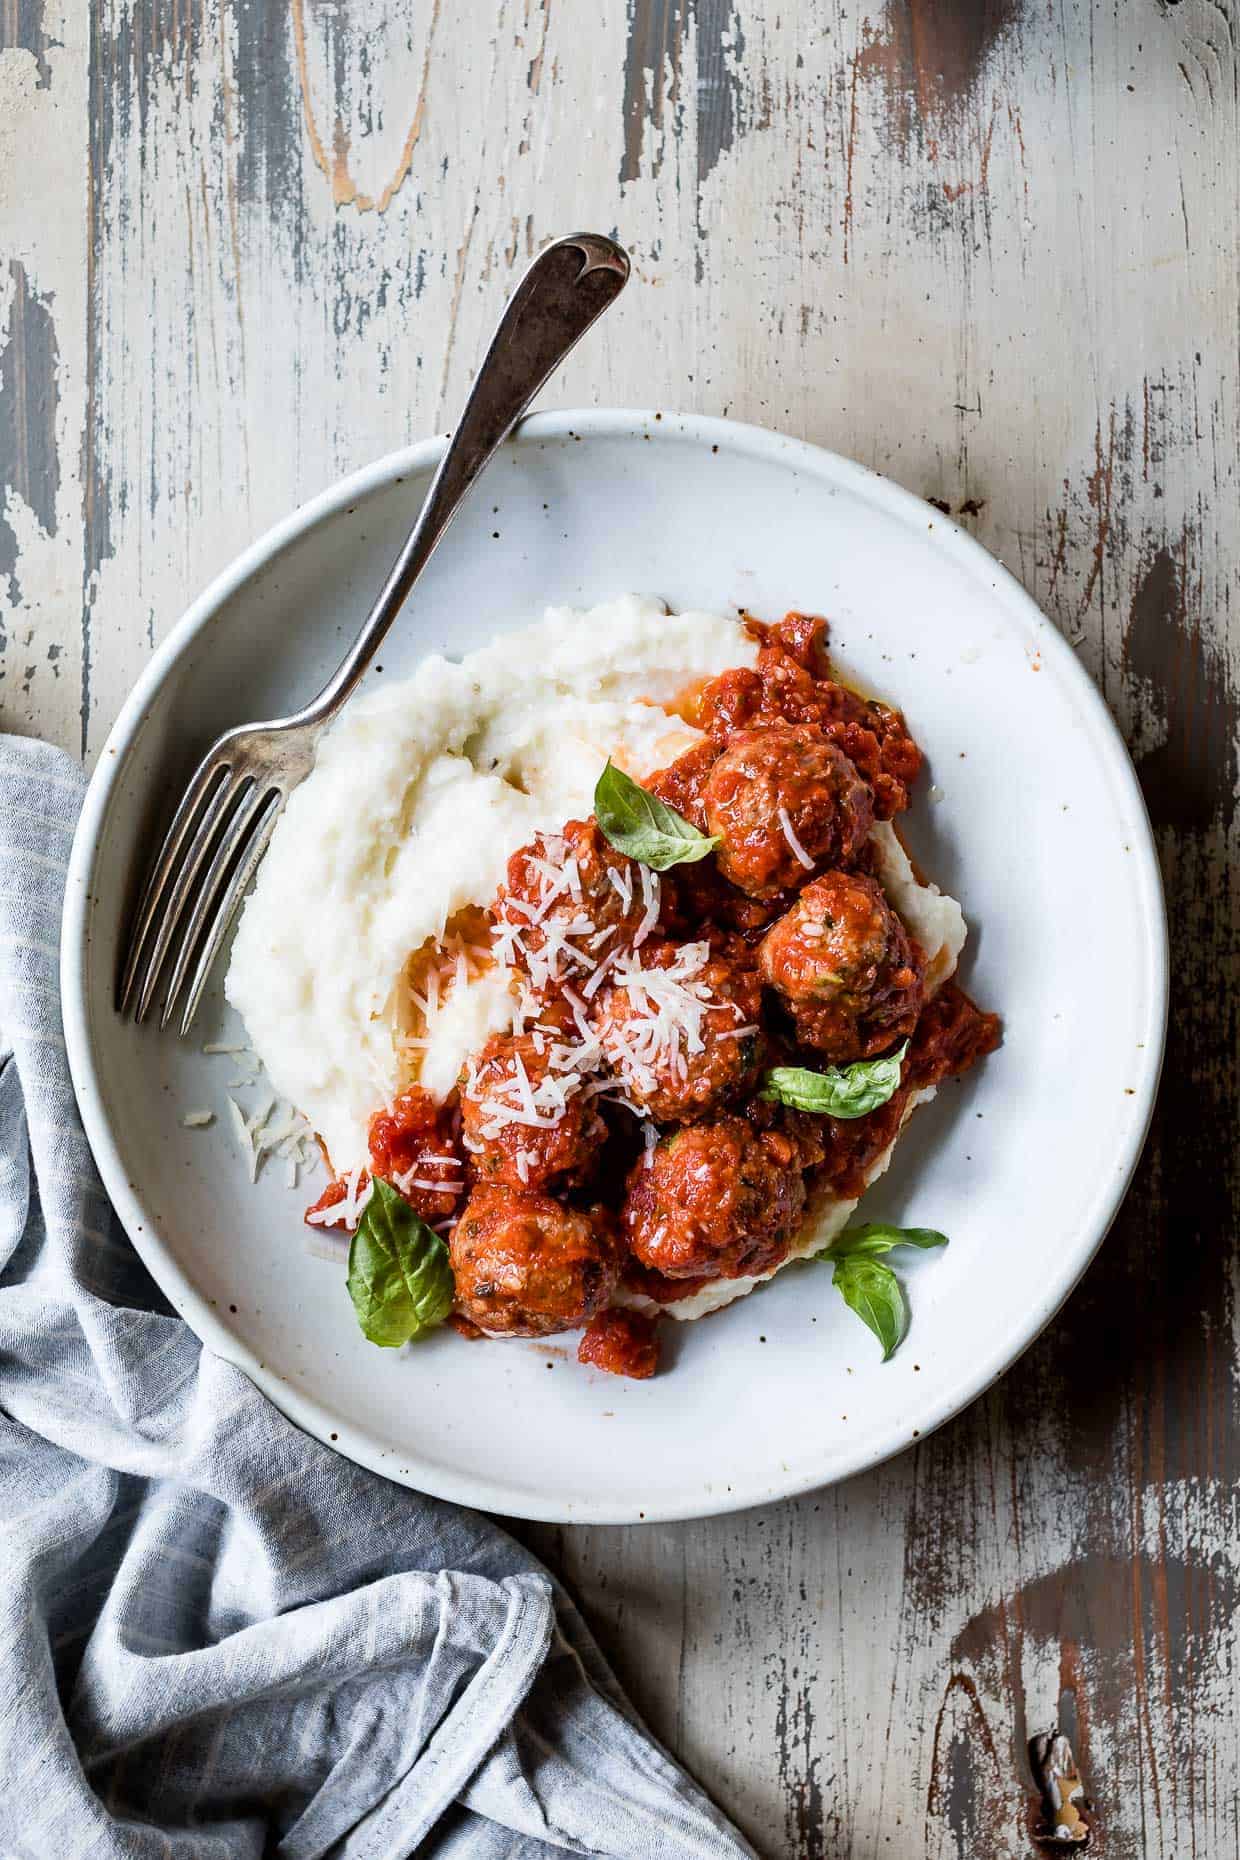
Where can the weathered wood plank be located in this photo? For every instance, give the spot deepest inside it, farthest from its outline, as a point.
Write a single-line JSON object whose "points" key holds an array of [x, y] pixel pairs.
{"points": [[985, 245], [43, 300]]}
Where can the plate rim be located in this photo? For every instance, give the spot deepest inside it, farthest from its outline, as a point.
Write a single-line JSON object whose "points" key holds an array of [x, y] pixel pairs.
{"points": [[353, 1440]]}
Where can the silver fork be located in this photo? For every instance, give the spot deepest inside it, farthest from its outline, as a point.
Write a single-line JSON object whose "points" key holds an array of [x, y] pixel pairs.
{"points": [[221, 829]]}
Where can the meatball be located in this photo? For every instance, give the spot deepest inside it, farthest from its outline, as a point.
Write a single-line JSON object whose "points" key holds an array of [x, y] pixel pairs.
{"points": [[679, 1025], [520, 1072], [782, 796], [526, 1265], [845, 964], [568, 899], [719, 1199]]}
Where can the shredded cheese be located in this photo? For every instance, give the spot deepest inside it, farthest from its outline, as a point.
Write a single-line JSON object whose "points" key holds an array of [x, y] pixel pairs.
{"points": [[664, 1027], [351, 1206], [667, 1014], [652, 898], [272, 1130], [798, 851], [560, 940], [241, 1128]]}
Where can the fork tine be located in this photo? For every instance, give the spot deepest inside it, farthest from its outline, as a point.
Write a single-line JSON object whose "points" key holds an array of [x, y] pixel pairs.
{"points": [[227, 908], [167, 882], [248, 801], [181, 881]]}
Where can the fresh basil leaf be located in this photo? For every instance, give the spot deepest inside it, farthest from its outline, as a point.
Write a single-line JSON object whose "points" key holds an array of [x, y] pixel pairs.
{"points": [[400, 1280], [643, 827], [873, 1291], [868, 1287], [874, 1237], [839, 1091]]}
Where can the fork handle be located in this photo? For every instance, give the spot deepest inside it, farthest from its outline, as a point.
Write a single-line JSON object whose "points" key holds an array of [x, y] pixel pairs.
{"points": [[567, 287]]}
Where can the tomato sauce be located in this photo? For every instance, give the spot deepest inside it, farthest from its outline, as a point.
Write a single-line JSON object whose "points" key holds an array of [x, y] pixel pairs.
{"points": [[951, 1035], [337, 1190], [682, 784], [413, 1145], [624, 1343], [791, 683], [660, 1290]]}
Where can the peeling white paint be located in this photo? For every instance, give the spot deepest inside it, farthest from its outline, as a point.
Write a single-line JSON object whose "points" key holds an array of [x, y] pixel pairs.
{"points": [[43, 180]]}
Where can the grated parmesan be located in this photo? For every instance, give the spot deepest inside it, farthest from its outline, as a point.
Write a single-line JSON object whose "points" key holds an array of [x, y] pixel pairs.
{"points": [[798, 851], [652, 897], [241, 1128], [322, 1243], [350, 1208], [667, 1012]]}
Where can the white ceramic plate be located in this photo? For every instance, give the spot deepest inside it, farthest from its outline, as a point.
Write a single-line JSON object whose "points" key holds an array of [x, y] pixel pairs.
{"points": [[1040, 831]]}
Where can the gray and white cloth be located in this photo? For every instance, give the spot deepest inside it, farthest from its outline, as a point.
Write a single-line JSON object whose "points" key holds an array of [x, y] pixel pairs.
{"points": [[218, 1639]]}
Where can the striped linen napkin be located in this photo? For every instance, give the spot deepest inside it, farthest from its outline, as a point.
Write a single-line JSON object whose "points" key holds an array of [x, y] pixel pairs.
{"points": [[218, 1639]]}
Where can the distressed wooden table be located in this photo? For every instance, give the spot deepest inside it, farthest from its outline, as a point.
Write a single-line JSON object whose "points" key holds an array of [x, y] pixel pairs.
{"points": [[989, 247]]}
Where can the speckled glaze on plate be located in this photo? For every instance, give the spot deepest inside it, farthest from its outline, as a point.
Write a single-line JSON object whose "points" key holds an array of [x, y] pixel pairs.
{"points": [[1029, 813]]}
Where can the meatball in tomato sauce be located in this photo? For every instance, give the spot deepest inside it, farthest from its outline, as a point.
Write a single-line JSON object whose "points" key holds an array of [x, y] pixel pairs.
{"points": [[697, 893], [522, 1119], [526, 1265], [846, 967], [792, 683], [715, 1200], [568, 899], [781, 801], [679, 1027]]}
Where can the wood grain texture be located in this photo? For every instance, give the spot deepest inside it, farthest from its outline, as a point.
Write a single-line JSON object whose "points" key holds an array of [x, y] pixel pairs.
{"points": [[987, 246]]}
